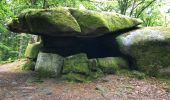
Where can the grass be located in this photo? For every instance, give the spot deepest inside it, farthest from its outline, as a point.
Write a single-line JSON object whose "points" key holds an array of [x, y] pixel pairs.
{"points": [[132, 74]]}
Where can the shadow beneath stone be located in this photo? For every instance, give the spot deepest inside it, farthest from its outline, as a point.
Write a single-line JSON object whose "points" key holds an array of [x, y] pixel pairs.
{"points": [[94, 47]]}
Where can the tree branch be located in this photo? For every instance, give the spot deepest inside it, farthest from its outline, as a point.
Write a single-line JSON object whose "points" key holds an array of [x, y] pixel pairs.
{"points": [[145, 8]]}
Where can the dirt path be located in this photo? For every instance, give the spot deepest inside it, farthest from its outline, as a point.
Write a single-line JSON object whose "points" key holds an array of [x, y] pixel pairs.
{"points": [[17, 85]]}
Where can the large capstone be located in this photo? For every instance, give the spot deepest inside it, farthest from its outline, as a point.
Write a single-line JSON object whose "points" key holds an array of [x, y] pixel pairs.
{"points": [[149, 48], [64, 21]]}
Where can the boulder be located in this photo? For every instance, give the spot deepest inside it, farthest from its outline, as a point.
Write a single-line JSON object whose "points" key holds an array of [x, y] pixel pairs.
{"points": [[49, 65], [64, 21], [77, 64], [111, 65], [149, 47]]}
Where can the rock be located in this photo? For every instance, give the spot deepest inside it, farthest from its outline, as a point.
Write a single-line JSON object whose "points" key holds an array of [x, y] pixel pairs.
{"points": [[49, 65], [149, 47], [76, 63], [64, 21], [32, 50], [79, 68], [99, 23], [14, 83], [110, 65]]}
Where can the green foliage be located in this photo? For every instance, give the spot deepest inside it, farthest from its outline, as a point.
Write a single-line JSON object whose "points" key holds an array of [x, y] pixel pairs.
{"points": [[28, 65], [7, 53]]}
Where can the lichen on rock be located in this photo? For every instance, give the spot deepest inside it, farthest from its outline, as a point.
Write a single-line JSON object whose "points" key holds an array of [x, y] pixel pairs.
{"points": [[149, 47]]}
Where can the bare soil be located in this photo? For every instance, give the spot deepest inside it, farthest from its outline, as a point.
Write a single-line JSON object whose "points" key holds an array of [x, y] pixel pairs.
{"points": [[16, 84]]}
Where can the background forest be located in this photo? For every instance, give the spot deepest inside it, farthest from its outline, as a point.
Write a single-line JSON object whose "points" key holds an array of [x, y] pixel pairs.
{"points": [[12, 46]]}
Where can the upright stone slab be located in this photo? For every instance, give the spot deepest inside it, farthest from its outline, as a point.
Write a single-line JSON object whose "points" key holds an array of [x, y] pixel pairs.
{"points": [[32, 50], [149, 47], [49, 65]]}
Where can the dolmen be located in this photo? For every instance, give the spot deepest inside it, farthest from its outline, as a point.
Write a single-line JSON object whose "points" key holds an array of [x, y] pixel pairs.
{"points": [[82, 45]]}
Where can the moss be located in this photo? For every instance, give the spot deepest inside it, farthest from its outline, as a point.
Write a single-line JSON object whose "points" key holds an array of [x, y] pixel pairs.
{"points": [[149, 47], [62, 21], [93, 23], [110, 65], [93, 65], [51, 21], [89, 21], [96, 74], [77, 63], [75, 77], [28, 65], [151, 56], [132, 74], [32, 50], [119, 22], [78, 68]]}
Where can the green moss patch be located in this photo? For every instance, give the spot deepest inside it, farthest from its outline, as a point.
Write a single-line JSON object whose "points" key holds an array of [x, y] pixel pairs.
{"points": [[110, 65], [99, 23], [79, 68], [75, 77], [32, 50], [77, 64]]}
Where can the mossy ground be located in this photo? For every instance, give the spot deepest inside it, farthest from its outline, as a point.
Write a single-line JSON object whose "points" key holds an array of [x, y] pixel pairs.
{"points": [[28, 65]]}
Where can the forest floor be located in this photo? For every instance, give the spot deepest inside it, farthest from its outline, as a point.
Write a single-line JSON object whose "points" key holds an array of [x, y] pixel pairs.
{"points": [[20, 85]]}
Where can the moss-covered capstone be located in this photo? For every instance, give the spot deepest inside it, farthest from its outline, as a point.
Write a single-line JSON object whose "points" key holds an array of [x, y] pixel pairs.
{"points": [[32, 50], [149, 47], [49, 65], [64, 21]]}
